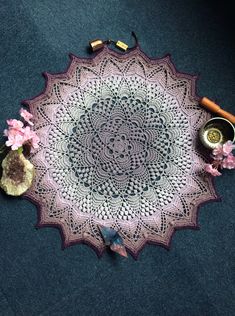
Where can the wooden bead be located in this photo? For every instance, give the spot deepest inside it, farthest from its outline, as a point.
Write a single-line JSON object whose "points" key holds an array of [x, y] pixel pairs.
{"points": [[121, 45], [96, 44]]}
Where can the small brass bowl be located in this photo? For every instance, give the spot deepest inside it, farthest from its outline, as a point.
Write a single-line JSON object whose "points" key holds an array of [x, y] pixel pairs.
{"points": [[216, 131]]}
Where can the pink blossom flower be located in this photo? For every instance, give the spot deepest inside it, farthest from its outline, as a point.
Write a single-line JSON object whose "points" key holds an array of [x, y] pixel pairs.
{"points": [[12, 132], [26, 116], [16, 124], [218, 152], [228, 147], [6, 132], [15, 137], [15, 141], [35, 140], [31, 136], [19, 135], [223, 150], [229, 162], [213, 171], [27, 134]]}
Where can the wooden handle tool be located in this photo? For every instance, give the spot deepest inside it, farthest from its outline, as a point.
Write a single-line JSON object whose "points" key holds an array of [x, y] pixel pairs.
{"points": [[215, 108]]}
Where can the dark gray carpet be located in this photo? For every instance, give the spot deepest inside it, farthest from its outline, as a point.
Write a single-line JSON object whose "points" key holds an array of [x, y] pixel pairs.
{"points": [[196, 277]]}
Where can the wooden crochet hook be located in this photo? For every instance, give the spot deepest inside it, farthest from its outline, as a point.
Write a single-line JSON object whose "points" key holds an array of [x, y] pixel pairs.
{"points": [[215, 108]]}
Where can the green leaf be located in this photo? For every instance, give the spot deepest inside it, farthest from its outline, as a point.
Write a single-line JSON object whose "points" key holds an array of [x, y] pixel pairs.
{"points": [[20, 150]]}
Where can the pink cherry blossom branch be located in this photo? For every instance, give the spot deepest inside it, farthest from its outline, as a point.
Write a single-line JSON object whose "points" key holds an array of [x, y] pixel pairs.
{"points": [[18, 134], [222, 159]]}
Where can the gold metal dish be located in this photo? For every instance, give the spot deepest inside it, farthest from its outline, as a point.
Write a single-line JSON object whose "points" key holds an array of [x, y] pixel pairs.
{"points": [[216, 131]]}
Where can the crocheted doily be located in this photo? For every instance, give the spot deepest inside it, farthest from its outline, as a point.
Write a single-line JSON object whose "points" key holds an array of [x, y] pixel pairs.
{"points": [[119, 148]]}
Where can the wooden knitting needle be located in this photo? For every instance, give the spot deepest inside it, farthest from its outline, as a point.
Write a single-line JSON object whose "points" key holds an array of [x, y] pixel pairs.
{"points": [[215, 108]]}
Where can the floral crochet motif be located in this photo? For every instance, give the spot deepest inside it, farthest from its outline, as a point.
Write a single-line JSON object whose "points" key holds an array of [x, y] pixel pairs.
{"points": [[118, 147]]}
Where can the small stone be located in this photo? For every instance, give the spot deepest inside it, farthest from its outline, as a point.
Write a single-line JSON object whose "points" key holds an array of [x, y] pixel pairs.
{"points": [[17, 175]]}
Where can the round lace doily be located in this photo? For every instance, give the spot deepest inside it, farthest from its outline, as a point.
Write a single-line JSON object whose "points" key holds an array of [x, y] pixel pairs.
{"points": [[119, 148]]}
